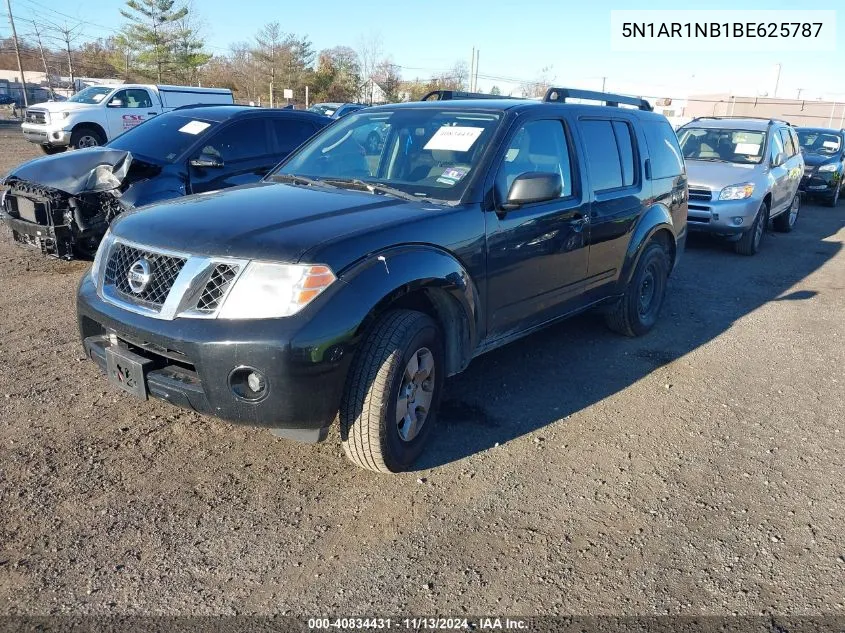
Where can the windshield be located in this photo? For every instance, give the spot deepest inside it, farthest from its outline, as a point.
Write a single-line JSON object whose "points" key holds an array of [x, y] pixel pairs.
{"points": [[326, 109], [91, 95], [727, 146], [422, 152], [820, 142], [163, 138]]}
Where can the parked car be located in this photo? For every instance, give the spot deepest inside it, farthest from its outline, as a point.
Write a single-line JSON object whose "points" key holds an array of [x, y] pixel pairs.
{"points": [[63, 204], [824, 163], [743, 173], [98, 113], [350, 285], [7, 100], [336, 110]]}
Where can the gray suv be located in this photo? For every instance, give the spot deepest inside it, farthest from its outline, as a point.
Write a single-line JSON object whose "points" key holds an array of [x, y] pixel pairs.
{"points": [[743, 173]]}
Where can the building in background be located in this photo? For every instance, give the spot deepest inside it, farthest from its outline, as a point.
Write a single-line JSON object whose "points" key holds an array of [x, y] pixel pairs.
{"points": [[811, 113]]}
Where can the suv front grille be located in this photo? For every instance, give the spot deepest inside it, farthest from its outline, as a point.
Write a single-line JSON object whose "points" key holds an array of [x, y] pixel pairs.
{"points": [[700, 194], [216, 287], [36, 116], [163, 272]]}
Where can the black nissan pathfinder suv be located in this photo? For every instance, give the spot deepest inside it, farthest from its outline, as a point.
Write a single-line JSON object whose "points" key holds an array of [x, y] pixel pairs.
{"points": [[349, 284]]}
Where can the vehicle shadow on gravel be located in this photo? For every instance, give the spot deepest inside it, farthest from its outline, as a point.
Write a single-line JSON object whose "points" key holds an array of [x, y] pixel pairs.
{"points": [[553, 374]]}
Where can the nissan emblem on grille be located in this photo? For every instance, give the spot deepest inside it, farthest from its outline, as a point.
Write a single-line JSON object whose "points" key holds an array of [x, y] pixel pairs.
{"points": [[139, 275]]}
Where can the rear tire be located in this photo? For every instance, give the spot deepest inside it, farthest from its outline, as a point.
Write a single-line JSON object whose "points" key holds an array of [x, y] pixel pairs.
{"points": [[750, 241], [399, 368], [636, 312], [50, 150], [86, 136], [785, 222]]}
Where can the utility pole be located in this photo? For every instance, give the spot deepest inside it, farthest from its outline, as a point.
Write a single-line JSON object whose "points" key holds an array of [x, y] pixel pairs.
{"points": [[43, 60], [798, 96], [603, 83], [475, 80], [17, 53], [471, 68]]}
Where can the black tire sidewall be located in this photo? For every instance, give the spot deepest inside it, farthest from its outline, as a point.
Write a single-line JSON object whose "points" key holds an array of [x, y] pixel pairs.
{"points": [[654, 253], [85, 131], [398, 454]]}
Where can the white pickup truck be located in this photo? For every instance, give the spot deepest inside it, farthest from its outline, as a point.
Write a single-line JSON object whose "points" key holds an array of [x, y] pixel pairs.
{"points": [[99, 113]]}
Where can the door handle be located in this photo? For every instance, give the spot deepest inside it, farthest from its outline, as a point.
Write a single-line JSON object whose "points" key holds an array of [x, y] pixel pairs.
{"points": [[152, 113]]}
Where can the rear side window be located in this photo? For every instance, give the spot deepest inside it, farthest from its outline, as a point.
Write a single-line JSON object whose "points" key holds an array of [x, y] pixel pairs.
{"points": [[625, 143], [291, 133], [602, 154], [665, 153]]}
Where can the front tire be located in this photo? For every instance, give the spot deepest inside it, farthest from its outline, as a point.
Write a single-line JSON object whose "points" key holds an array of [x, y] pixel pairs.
{"points": [[785, 222], [390, 401], [834, 199], [85, 136], [50, 149], [749, 243], [636, 312]]}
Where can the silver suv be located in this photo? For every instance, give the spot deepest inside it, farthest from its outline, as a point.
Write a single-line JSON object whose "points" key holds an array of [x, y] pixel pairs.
{"points": [[743, 173]]}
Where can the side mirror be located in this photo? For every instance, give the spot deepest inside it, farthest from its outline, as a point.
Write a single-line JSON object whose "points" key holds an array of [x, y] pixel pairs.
{"points": [[206, 162], [780, 159], [115, 103], [533, 186]]}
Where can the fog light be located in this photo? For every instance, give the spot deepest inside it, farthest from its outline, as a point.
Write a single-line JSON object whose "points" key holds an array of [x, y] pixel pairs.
{"points": [[247, 383], [56, 135], [738, 221]]}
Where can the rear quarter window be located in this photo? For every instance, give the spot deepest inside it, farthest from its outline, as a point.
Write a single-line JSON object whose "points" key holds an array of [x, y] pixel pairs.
{"points": [[663, 148]]}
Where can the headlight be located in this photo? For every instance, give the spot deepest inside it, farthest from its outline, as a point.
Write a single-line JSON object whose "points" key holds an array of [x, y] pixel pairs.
{"points": [[828, 167], [737, 192], [105, 245], [266, 291]]}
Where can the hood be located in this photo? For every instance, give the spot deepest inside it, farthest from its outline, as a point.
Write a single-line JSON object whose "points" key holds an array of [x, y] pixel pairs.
{"points": [[814, 160], [717, 176], [271, 221], [62, 106], [82, 170]]}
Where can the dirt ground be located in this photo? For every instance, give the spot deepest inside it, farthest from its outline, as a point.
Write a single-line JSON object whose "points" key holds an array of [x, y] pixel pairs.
{"points": [[698, 470]]}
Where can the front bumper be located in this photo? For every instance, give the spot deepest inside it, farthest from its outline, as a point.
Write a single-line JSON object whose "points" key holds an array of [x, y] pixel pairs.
{"points": [[815, 183], [193, 359], [722, 217], [45, 135], [50, 240]]}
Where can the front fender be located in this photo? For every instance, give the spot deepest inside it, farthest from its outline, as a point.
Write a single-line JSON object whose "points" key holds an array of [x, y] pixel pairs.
{"points": [[655, 219], [370, 284]]}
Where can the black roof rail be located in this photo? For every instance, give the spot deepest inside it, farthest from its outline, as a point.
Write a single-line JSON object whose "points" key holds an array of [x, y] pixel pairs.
{"points": [[555, 95], [740, 116], [451, 95]]}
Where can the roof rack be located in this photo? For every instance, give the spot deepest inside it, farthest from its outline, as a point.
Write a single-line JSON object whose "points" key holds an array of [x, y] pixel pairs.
{"points": [[739, 116], [451, 95], [555, 95]]}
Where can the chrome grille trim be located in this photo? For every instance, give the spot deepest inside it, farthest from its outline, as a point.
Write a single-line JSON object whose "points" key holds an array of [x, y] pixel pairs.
{"points": [[188, 287]]}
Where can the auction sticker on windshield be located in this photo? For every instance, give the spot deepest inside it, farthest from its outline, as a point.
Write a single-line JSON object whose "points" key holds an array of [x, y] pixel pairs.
{"points": [[454, 138], [194, 127], [750, 149]]}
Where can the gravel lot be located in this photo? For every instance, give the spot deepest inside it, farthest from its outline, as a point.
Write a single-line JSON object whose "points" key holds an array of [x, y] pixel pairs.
{"points": [[698, 470]]}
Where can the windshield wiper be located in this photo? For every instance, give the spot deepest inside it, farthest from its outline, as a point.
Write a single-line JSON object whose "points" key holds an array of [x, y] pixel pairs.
{"points": [[300, 180], [373, 187], [714, 160]]}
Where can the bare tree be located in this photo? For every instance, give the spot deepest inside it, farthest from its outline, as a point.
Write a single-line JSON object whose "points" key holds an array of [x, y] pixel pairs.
{"points": [[540, 85], [67, 35], [43, 59], [370, 49], [268, 51]]}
